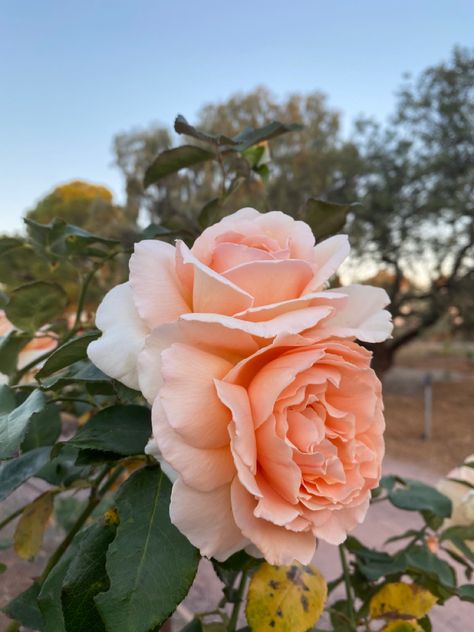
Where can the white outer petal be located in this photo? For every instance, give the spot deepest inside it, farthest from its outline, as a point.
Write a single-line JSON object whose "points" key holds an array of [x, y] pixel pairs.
{"points": [[362, 316], [123, 335]]}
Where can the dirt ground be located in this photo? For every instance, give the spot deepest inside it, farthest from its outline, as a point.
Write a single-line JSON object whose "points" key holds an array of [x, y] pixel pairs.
{"points": [[452, 372]]}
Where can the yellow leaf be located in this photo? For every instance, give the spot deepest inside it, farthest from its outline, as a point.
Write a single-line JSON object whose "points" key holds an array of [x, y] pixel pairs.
{"points": [[402, 626], [403, 600], [285, 598], [31, 526]]}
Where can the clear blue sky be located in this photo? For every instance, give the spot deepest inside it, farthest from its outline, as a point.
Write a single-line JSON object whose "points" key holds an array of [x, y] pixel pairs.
{"points": [[73, 73]]}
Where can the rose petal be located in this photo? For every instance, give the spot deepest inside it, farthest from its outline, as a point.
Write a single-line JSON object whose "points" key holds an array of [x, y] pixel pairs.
{"points": [[211, 291], [279, 546], [275, 376], [206, 519], [328, 256], [272, 507], [123, 336], [156, 290], [361, 316], [271, 281], [230, 344], [189, 395], [201, 469], [286, 323], [242, 433]]}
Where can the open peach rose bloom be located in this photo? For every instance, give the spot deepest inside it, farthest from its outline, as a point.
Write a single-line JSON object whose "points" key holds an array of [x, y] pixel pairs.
{"points": [[266, 413]]}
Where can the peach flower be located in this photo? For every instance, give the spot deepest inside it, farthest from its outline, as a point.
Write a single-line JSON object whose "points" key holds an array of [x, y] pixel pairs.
{"points": [[257, 273], [269, 448], [32, 350]]}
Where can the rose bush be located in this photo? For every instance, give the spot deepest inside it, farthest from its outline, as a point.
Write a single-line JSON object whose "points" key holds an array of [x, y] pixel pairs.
{"points": [[266, 411]]}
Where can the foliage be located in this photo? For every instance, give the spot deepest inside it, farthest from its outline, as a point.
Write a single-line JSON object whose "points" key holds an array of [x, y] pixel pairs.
{"points": [[122, 565]]}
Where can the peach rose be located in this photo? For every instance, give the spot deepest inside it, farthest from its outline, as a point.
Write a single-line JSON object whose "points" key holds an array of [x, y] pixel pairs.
{"points": [[32, 350], [270, 448], [257, 273]]}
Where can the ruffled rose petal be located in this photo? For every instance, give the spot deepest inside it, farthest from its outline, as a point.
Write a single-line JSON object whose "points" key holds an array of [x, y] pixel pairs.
{"points": [[274, 377], [201, 469], [272, 507], [230, 255], [230, 344], [206, 519], [328, 256], [334, 530], [271, 281], [361, 316], [211, 291], [156, 290], [153, 450], [285, 323], [189, 395], [242, 434], [279, 546], [123, 335]]}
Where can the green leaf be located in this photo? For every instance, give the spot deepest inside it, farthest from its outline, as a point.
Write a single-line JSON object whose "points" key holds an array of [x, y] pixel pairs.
{"points": [[14, 422], [62, 469], [10, 347], [155, 230], [466, 592], [416, 496], [83, 372], [374, 564], [35, 304], [16, 471], [67, 354], [7, 244], [227, 571], [182, 126], [49, 598], [7, 400], [151, 565], [85, 578], [124, 430], [172, 160], [420, 559], [251, 136], [325, 218], [60, 239], [24, 608], [43, 429], [210, 213], [461, 532]]}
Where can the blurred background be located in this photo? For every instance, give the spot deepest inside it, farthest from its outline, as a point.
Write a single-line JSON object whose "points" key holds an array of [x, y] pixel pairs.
{"points": [[385, 94]]}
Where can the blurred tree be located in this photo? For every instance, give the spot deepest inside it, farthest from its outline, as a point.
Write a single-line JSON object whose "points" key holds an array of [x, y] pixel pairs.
{"points": [[312, 162], [417, 189], [83, 204]]}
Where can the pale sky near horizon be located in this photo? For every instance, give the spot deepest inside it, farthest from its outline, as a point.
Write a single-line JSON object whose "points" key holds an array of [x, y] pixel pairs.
{"points": [[73, 74]]}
